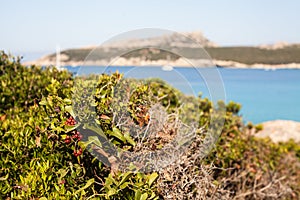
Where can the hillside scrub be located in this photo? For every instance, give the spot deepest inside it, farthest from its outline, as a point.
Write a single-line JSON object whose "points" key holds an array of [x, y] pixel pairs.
{"points": [[243, 54], [44, 153]]}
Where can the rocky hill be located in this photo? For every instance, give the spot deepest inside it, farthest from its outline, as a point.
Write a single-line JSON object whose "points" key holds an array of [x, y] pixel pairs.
{"points": [[187, 39], [281, 55]]}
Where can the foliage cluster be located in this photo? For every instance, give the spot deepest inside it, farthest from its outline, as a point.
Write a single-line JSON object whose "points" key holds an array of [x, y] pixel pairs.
{"points": [[43, 153]]}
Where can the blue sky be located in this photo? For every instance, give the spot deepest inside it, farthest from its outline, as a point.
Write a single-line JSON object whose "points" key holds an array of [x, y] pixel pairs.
{"points": [[38, 26]]}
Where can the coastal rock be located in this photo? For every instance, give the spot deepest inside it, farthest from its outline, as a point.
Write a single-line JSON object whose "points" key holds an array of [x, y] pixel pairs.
{"points": [[280, 130], [278, 45], [233, 64]]}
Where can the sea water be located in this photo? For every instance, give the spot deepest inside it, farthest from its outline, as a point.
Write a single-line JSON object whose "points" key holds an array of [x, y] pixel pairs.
{"points": [[264, 94]]}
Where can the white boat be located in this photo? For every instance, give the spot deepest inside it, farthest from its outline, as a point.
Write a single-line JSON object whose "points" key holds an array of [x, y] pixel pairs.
{"points": [[167, 68]]}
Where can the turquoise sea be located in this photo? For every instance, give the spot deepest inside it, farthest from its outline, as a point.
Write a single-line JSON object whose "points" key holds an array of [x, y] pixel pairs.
{"points": [[264, 95]]}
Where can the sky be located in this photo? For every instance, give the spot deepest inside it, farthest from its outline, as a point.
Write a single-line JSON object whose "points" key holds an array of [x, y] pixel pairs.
{"points": [[35, 27]]}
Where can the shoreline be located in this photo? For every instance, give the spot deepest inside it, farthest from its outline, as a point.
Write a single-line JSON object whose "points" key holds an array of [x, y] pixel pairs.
{"points": [[158, 63], [233, 64]]}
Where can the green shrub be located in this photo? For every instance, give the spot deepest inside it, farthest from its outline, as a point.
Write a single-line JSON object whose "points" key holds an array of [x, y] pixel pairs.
{"points": [[42, 153], [36, 161], [23, 86]]}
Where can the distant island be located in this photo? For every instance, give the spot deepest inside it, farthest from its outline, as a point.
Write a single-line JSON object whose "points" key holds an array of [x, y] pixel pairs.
{"points": [[276, 56]]}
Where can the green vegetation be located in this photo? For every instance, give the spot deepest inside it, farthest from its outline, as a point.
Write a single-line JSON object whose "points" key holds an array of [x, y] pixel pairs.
{"points": [[252, 55], [243, 54], [43, 154]]}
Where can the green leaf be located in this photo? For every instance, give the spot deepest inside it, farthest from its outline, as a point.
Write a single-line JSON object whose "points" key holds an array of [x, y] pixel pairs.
{"points": [[117, 133], [140, 175], [129, 139], [111, 192], [137, 195], [92, 139], [43, 102], [22, 179], [152, 178], [67, 101], [70, 110], [71, 128], [88, 184], [49, 177], [144, 196], [96, 129], [110, 180], [124, 185], [153, 195], [93, 104], [126, 176], [56, 187], [62, 172], [4, 178]]}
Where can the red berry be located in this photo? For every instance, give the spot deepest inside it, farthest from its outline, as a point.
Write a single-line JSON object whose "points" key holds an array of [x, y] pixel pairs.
{"points": [[79, 137], [67, 141], [71, 121], [79, 152]]}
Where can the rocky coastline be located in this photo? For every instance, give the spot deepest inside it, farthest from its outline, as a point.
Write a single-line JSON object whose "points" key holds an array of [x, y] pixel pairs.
{"points": [[181, 62], [161, 50]]}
